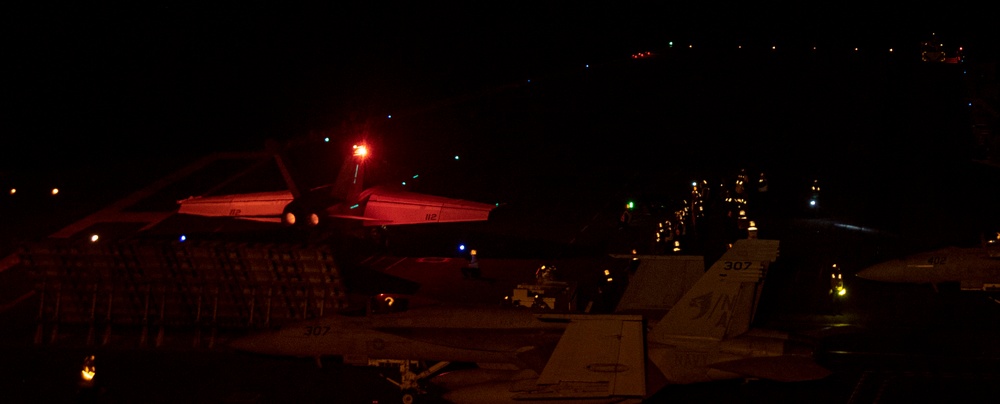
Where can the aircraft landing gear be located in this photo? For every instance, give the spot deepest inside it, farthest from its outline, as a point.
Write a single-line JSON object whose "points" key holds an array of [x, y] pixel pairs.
{"points": [[409, 380], [379, 235]]}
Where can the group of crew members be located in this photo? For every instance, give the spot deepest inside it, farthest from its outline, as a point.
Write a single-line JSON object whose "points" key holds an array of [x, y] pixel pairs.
{"points": [[708, 209]]}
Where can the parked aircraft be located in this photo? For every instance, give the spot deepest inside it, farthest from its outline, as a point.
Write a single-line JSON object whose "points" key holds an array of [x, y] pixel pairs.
{"points": [[527, 355], [344, 200], [975, 268]]}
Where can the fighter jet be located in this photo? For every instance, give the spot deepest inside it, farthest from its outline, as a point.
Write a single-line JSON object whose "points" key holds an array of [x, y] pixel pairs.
{"points": [[975, 268], [523, 355], [345, 201]]}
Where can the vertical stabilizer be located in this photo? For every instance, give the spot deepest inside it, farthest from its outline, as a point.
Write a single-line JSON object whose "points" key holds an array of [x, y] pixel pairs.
{"points": [[293, 187], [350, 180], [722, 302], [659, 283]]}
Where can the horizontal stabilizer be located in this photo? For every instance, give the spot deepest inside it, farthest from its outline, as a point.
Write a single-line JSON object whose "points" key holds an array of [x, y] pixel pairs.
{"points": [[599, 357], [397, 207], [243, 206], [785, 368]]}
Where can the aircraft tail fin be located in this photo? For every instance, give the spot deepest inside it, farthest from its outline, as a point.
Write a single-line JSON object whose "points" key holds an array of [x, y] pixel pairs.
{"points": [[722, 302], [350, 180], [293, 187], [278, 151], [658, 283]]}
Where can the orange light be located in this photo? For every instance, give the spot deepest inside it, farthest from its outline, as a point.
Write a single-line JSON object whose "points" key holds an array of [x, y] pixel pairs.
{"points": [[360, 150], [89, 370]]}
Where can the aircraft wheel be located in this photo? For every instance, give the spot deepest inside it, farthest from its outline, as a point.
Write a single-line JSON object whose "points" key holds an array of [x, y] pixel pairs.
{"points": [[409, 397]]}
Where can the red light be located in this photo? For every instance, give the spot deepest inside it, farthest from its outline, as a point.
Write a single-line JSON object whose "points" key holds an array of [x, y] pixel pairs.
{"points": [[360, 151]]}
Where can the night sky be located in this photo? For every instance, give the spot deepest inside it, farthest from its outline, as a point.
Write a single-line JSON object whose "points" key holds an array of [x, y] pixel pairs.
{"points": [[106, 87]]}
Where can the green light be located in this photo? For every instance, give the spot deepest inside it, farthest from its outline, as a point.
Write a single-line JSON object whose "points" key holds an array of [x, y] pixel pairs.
{"points": [[631, 205]]}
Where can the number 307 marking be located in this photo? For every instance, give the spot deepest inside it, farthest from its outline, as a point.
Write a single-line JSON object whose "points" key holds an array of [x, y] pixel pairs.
{"points": [[736, 265], [313, 331]]}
